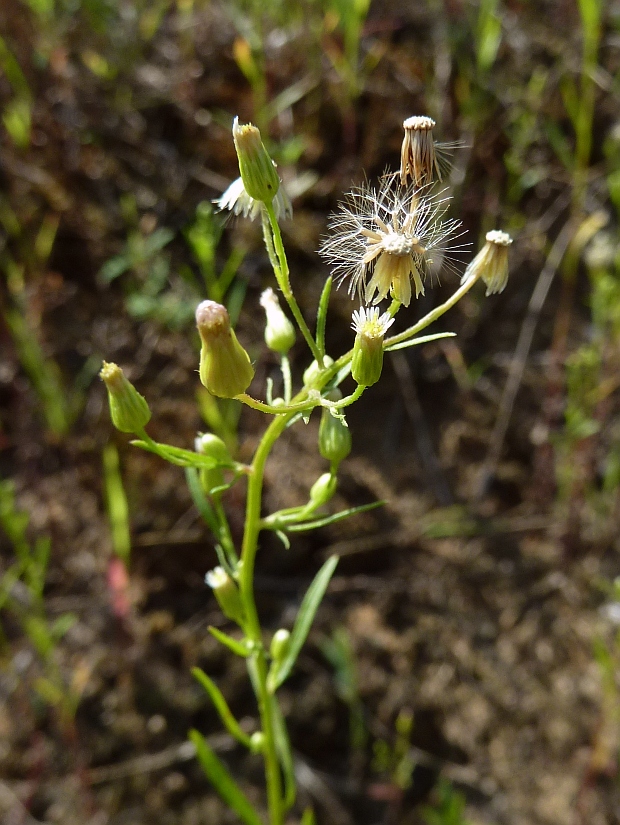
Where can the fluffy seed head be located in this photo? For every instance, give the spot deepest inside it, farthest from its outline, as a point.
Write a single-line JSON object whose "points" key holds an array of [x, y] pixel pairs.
{"points": [[236, 200], [382, 240]]}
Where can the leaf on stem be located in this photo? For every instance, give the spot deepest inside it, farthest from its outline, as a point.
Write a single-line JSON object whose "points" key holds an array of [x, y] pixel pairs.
{"points": [[304, 526], [321, 317], [223, 782], [283, 748], [177, 455], [423, 339], [200, 500], [238, 648], [215, 694], [303, 622]]}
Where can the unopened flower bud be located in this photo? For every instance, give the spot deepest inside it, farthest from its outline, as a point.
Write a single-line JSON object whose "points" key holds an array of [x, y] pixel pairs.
{"points": [[213, 446], [226, 593], [279, 331], [367, 361], [257, 741], [334, 435], [491, 263], [225, 368], [258, 173], [323, 489], [129, 411], [280, 644], [312, 372]]}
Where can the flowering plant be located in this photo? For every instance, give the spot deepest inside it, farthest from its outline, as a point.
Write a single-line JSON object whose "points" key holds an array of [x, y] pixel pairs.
{"points": [[380, 242]]}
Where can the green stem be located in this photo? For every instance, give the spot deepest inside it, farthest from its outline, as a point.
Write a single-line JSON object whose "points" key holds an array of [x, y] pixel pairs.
{"points": [[272, 409], [253, 630], [286, 376], [282, 274], [433, 315]]}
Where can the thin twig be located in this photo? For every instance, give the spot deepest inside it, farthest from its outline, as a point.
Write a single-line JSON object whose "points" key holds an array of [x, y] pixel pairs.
{"points": [[519, 358]]}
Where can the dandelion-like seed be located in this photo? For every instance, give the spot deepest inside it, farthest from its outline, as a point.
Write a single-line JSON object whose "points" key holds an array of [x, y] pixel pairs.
{"points": [[381, 241], [236, 200], [418, 159], [491, 263]]}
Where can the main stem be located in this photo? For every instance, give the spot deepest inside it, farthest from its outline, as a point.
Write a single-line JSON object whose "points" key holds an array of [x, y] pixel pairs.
{"points": [[273, 775]]}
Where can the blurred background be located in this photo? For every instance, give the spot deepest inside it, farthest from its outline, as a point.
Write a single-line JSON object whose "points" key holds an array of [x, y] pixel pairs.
{"points": [[464, 665]]}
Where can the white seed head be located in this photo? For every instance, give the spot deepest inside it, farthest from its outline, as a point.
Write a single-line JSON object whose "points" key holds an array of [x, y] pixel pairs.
{"points": [[382, 240], [418, 159], [491, 263]]}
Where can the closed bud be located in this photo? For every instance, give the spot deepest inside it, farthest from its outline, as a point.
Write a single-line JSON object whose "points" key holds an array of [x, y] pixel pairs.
{"points": [[258, 173], [334, 435], [257, 742], [323, 489], [225, 368], [279, 331], [226, 593], [367, 361], [128, 409], [211, 445], [280, 644], [313, 371]]}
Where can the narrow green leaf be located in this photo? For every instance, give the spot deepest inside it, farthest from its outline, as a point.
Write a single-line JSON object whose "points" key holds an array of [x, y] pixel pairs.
{"points": [[321, 317], [238, 648], [284, 539], [223, 782], [283, 748], [423, 339], [307, 818], [177, 455], [215, 694], [303, 622], [304, 526], [200, 500]]}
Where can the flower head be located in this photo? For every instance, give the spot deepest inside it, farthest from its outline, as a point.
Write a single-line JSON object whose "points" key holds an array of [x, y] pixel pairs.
{"points": [[279, 332], [236, 200], [491, 263], [129, 410], [382, 240], [367, 360], [418, 159], [257, 169], [225, 367]]}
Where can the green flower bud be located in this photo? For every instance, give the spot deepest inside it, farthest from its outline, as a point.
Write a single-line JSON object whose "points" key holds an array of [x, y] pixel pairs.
{"points": [[129, 411], [258, 173], [225, 368], [334, 435], [279, 332], [213, 446], [312, 373], [323, 489], [257, 741], [280, 644], [367, 361], [226, 593]]}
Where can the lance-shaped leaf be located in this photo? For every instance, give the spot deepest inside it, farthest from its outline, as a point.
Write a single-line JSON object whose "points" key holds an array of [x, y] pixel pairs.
{"points": [[222, 781], [303, 623], [283, 748], [321, 317], [422, 339], [221, 705], [304, 526], [238, 648]]}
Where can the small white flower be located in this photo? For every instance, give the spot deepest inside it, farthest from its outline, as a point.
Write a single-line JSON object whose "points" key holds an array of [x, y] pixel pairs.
{"points": [[491, 263], [382, 240], [368, 322], [236, 200]]}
